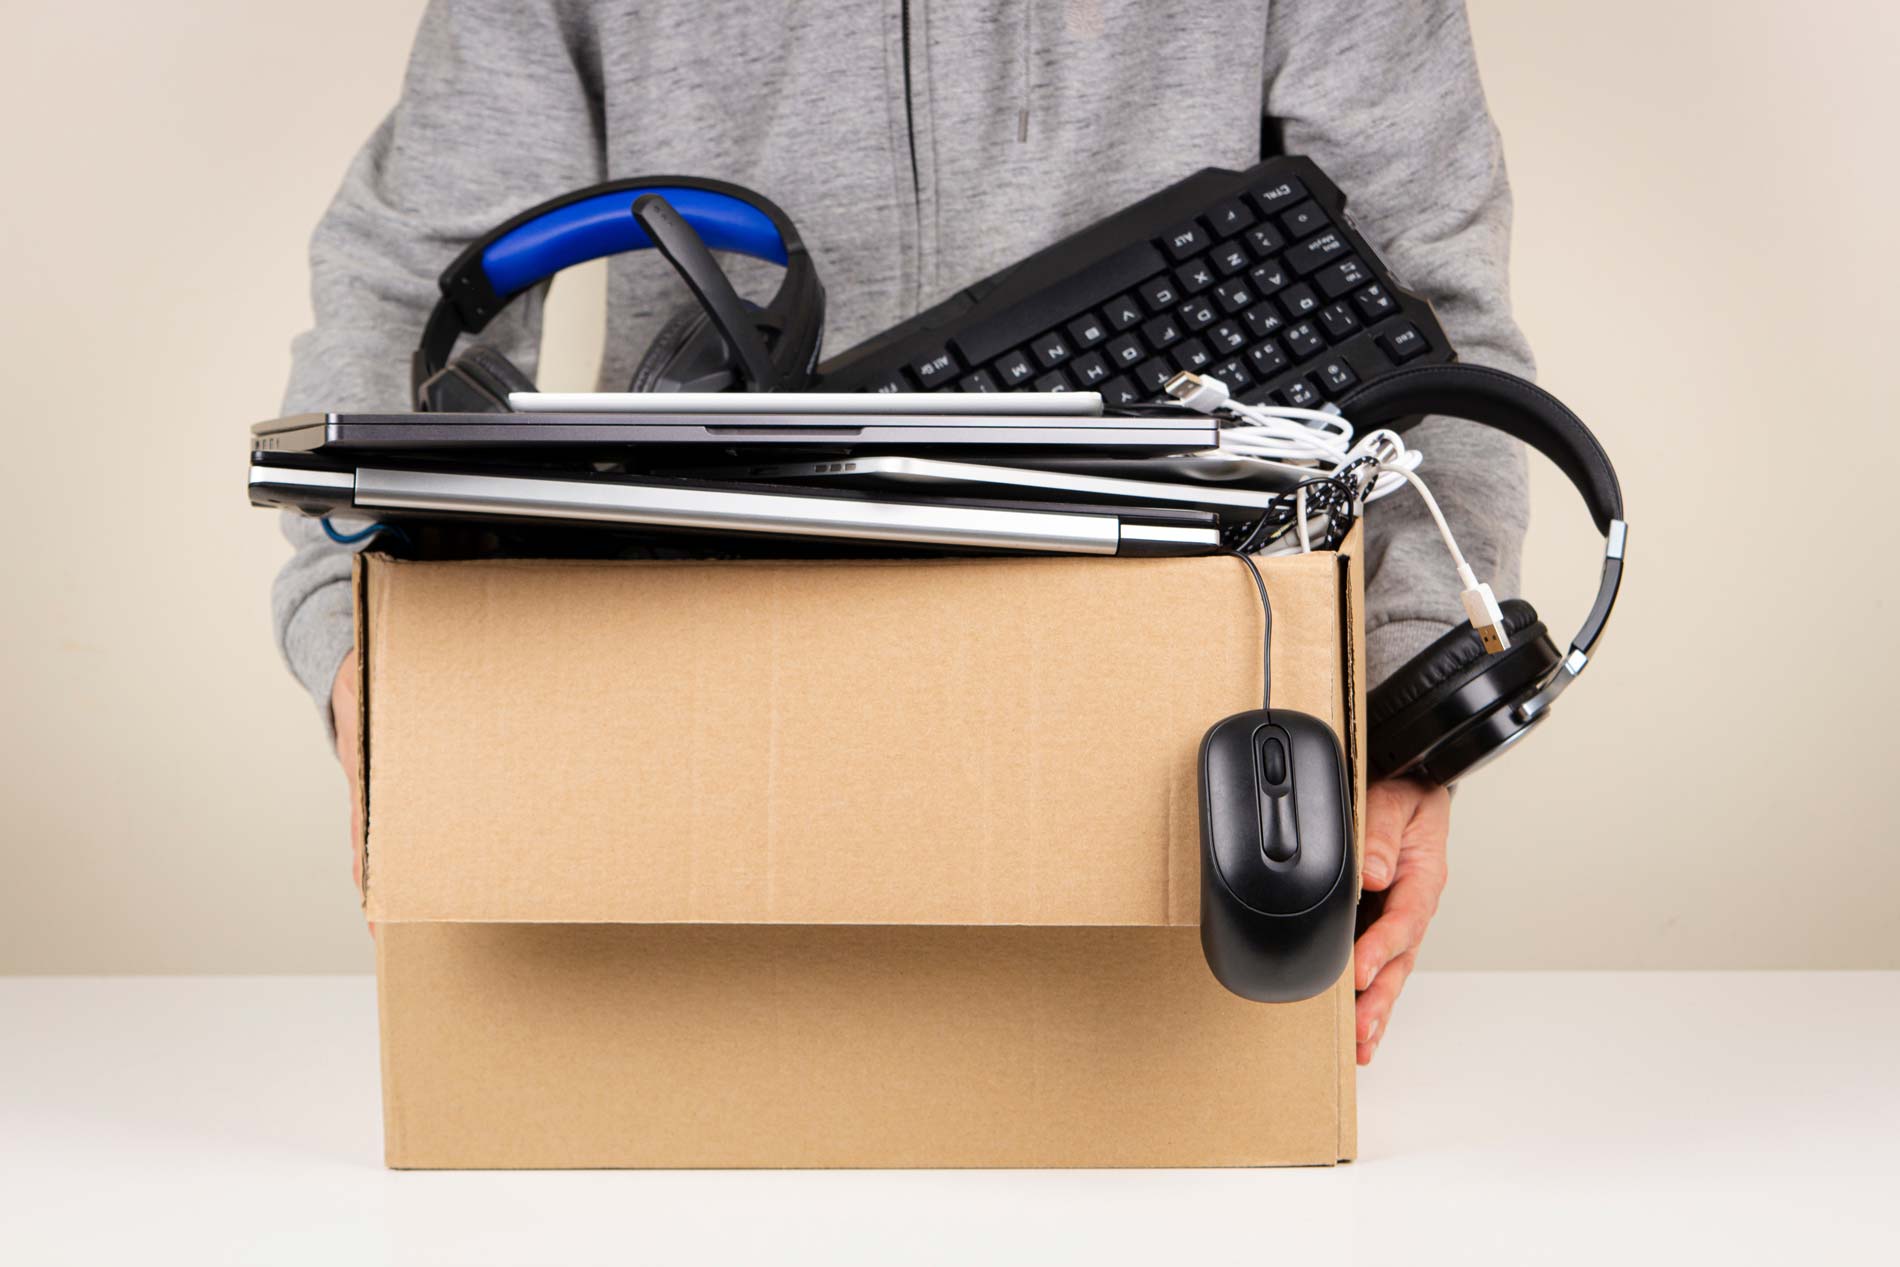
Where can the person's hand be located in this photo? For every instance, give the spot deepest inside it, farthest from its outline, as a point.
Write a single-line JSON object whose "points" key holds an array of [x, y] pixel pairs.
{"points": [[1406, 826], [344, 713]]}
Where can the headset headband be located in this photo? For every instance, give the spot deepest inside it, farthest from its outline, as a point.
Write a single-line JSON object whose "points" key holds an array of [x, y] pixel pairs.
{"points": [[1402, 399], [597, 221]]}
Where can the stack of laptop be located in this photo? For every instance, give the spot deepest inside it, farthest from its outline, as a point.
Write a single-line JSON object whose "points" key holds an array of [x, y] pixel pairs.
{"points": [[1035, 472]]}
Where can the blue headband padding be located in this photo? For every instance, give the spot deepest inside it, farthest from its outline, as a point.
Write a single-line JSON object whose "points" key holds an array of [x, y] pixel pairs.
{"points": [[604, 225]]}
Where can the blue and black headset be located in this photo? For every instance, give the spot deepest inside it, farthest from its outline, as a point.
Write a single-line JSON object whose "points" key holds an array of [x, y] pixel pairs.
{"points": [[721, 343]]}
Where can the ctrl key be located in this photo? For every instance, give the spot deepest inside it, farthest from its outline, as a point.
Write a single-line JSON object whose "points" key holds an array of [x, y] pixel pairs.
{"points": [[1402, 342]]}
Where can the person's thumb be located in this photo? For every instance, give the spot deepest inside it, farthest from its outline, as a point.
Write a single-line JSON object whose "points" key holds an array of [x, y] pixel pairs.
{"points": [[1386, 813]]}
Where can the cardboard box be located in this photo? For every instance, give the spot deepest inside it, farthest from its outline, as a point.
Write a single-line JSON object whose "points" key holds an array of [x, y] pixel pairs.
{"points": [[829, 863]]}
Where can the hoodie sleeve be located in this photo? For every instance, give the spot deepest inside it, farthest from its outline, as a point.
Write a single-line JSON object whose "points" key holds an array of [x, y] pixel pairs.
{"points": [[500, 109], [1390, 105]]}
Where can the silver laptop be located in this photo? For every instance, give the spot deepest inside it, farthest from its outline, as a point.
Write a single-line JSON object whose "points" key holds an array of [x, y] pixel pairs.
{"points": [[572, 435], [904, 472], [321, 485], [964, 404]]}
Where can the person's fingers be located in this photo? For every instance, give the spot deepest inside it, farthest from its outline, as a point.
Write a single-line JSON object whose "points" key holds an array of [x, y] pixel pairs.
{"points": [[1409, 907], [344, 719], [1389, 807], [1373, 1010], [1429, 826]]}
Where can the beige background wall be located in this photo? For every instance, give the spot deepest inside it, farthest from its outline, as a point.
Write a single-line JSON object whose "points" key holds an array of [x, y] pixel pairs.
{"points": [[1706, 200]]}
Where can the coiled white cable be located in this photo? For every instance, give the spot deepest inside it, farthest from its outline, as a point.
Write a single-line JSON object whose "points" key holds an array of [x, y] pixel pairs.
{"points": [[1286, 433]]}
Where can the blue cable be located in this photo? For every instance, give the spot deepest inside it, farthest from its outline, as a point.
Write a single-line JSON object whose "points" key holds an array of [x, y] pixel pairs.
{"points": [[351, 538]]}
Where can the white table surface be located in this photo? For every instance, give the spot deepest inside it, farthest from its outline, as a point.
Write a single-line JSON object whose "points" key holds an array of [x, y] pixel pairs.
{"points": [[1519, 1118]]}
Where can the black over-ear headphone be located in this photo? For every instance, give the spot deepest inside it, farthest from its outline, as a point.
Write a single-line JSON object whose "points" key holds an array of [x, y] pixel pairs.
{"points": [[1454, 706], [720, 343]]}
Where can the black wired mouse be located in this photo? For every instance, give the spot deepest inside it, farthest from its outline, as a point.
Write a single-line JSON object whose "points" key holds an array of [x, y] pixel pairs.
{"points": [[1277, 866]]}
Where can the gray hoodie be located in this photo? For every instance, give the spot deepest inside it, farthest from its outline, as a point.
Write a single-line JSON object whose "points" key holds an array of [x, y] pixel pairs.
{"points": [[920, 145]]}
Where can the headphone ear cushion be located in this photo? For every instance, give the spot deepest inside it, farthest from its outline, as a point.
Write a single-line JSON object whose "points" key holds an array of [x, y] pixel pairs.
{"points": [[477, 381], [660, 369], [1449, 663], [494, 371]]}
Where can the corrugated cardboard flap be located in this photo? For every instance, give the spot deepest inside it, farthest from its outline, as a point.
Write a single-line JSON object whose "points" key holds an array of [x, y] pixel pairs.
{"points": [[980, 741]]}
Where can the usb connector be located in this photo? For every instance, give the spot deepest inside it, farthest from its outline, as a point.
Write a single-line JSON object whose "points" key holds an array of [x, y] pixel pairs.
{"points": [[1481, 605], [1203, 395]]}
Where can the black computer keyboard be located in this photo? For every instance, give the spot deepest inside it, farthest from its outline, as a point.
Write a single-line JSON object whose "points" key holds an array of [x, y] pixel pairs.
{"points": [[1258, 278]]}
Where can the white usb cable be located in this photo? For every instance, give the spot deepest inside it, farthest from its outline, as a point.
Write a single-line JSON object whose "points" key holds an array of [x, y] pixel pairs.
{"points": [[1283, 433]]}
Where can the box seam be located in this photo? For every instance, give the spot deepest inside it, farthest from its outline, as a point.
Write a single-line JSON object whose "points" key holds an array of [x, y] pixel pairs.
{"points": [[359, 583]]}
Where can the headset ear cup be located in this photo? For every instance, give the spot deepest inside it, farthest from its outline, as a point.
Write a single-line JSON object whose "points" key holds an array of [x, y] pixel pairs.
{"points": [[686, 355], [476, 382], [1450, 683], [500, 372]]}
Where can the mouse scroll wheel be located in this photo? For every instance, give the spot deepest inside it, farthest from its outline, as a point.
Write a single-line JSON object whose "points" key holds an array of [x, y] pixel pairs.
{"points": [[1273, 760]]}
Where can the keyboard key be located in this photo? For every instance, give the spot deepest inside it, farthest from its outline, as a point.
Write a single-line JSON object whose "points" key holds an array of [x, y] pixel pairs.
{"points": [[1231, 257], [1310, 254], [1374, 303], [934, 369], [1263, 320], [1122, 311], [1053, 381], [1300, 394], [1152, 375], [891, 382], [1335, 376], [1278, 196], [1304, 219], [1402, 342], [1193, 277], [1337, 320], [978, 381], [1121, 390], [1233, 295], [1125, 351], [1088, 330], [1228, 337], [1050, 350], [1014, 370], [1299, 301], [1336, 279], [1090, 370], [1304, 341], [1234, 374], [1161, 332], [1267, 359], [1265, 240], [1199, 313], [983, 340], [1269, 277], [1193, 355], [1185, 240], [1228, 217], [1160, 294]]}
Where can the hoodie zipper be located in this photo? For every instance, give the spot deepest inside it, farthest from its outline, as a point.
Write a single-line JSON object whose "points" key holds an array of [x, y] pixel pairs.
{"points": [[916, 175], [910, 111]]}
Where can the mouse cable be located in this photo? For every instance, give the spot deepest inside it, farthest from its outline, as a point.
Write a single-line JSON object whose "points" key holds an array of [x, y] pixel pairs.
{"points": [[1266, 633]]}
